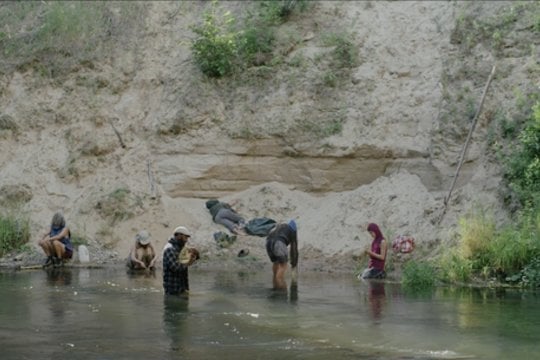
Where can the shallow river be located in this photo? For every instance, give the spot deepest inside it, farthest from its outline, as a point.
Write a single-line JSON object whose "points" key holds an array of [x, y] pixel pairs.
{"points": [[108, 314]]}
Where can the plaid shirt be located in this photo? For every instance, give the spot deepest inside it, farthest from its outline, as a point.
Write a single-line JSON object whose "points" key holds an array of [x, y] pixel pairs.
{"points": [[175, 274]]}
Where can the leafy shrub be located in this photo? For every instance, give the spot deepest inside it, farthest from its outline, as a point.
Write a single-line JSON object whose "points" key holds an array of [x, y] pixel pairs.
{"points": [[530, 275], [418, 275], [523, 165], [14, 232], [215, 49]]}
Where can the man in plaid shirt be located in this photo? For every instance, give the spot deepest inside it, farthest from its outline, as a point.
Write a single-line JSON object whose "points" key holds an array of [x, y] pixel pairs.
{"points": [[175, 273]]}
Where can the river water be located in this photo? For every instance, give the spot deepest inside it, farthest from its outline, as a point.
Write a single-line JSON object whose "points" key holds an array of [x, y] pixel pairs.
{"points": [[109, 314]]}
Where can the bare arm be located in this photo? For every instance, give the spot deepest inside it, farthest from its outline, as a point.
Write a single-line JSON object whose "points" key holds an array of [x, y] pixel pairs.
{"points": [[155, 256], [380, 256], [61, 235]]}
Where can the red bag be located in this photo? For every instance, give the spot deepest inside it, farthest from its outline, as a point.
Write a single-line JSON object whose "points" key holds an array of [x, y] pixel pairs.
{"points": [[403, 244]]}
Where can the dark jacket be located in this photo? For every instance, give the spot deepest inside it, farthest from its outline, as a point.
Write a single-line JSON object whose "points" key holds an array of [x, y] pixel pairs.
{"points": [[282, 232], [175, 274], [214, 206]]}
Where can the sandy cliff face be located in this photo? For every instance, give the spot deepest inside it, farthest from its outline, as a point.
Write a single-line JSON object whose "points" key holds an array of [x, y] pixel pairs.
{"points": [[141, 140]]}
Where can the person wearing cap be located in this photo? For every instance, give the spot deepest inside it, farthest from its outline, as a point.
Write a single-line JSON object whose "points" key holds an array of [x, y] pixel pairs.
{"points": [[282, 236], [175, 271], [142, 255]]}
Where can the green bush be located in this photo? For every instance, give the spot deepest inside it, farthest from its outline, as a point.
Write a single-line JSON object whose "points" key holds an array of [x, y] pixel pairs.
{"points": [[14, 232], [523, 165], [530, 275], [215, 49], [418, 275]]}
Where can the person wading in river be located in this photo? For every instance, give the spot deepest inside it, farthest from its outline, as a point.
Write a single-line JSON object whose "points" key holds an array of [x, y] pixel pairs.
{"points": [[278, 239], [377, 254], [175, 271]]}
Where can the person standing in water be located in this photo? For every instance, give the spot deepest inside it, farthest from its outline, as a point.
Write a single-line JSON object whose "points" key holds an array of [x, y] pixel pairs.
{"points": [[175, 271], [377, 254], [56, 242], [282, 236]]}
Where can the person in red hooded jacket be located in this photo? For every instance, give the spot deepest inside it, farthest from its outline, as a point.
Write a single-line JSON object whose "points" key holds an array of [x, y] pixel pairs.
{"points": [[376, 253]]}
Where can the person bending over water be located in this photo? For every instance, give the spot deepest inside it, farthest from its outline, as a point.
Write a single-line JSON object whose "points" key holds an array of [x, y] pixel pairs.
{"points": [[142, 255], [56, 242], [278, 239], [377, 254]]}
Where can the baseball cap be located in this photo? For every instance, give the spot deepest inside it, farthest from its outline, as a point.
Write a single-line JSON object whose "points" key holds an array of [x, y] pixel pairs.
{"points": [[182, 230], [292, 225], [143, 237]]}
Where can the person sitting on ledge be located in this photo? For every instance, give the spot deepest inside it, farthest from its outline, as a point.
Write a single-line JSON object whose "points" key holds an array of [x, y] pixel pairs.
{"points": [[56, 242]]}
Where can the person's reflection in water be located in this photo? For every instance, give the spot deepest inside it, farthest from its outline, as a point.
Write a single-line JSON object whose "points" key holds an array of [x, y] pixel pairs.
{"points": [[283, 295], [58, 277], [135, 273], [377, 298], [293, 292], [175, 313]]}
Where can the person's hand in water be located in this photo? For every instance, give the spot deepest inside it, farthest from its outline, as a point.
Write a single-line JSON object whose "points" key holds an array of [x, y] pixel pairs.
{"points": [[294, 274]]}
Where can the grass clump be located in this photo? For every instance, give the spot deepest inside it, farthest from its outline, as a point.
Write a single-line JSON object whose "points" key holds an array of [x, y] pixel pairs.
{"points": [[497, 30], [508, 254], [454, 268], [56, 37], [14, 232], [279, 11], [345, 53], [418, 275], [118, 205]]}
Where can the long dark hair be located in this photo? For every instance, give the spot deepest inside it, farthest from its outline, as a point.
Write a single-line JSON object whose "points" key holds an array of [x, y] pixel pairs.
{"points": [[58, 221], [375, 228]]}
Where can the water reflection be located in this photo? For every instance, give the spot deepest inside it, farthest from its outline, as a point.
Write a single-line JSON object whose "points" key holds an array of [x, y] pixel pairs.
{"points": [[136, 273], [377, 298], [81, 313], [285, 295], [58, 277], [175, 317]]}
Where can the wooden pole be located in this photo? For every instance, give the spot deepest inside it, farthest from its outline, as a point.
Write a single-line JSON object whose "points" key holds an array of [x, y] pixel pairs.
{"points": [[466, 145]]}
